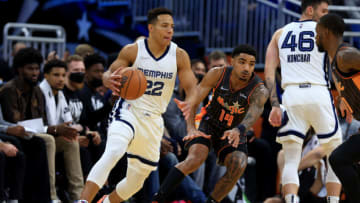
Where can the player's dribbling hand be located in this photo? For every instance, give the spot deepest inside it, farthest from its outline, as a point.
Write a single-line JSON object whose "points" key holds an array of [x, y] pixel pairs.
{"points": [[275, 116], [113, 82], [184, 106], [345, 110], [233, 136], [192, 134]]}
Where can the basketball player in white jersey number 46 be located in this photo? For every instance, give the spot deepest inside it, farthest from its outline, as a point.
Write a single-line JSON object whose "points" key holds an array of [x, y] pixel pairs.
{"points": [[307, 99], [136, 126]]}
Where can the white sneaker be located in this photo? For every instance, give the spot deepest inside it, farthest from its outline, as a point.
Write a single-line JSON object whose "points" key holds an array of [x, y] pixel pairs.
{"points": [[56, 201]]}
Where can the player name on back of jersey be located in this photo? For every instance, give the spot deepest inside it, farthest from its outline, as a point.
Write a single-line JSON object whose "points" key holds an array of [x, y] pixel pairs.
{"points": [[156, 73], [294, 58]]}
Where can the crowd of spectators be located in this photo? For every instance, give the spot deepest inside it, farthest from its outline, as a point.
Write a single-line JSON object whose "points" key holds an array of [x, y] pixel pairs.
{"points": [[53, 128]]}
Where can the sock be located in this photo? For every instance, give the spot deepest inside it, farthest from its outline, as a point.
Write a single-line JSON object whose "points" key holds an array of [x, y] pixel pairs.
{"points": [[332, 199], [172, 180], [210, 200], [291, 198], [12, 201]]}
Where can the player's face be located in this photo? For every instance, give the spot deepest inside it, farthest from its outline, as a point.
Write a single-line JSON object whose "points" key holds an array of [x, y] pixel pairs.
{"points": [[94, 75], [244, 65], [56, 78], [30, 73], [163, 29], [320, 10], [320, 38]]}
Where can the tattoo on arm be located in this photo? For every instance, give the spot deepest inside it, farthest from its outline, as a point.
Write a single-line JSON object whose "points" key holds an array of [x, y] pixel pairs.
{"points": [[257, 101], [270, 83]]}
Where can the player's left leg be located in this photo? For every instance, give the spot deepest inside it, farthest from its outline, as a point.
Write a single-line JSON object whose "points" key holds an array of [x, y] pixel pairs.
{"points": [[333, 185], [342, 161], [128, 186], [327, 129], [235, 163]]}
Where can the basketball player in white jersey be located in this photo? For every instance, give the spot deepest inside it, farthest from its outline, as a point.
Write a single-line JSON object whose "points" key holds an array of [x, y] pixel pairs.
{"points": [[136, 126], [307, 99]]}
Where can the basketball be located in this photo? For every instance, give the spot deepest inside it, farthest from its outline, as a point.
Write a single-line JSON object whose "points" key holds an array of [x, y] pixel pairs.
{"points": [[133, 83]]}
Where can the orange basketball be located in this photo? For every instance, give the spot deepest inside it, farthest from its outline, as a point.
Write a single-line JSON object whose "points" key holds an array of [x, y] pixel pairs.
{"points": [[133, 83]]}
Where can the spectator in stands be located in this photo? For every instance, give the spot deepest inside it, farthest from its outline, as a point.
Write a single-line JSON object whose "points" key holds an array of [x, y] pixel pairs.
{"points": [[12, 171], [198, 67], [6, 73], [217, 58], [91, 147], [58, 113], [84, 50], [21, 99], [97, 108], [261, 150]]}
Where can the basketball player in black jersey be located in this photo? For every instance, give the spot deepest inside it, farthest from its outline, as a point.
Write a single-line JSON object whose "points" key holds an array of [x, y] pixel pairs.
{"points": [[238, 100], [345, 66]]}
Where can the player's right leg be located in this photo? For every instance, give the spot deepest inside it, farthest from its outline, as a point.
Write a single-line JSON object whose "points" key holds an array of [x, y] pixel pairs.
{"points": [[119, 136], [291, 135], [290, 178], [198, 151]]}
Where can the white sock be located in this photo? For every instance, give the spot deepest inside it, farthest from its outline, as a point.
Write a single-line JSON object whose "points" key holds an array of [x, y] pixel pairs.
{"points": [[291, 198], [332, 199], [13, 201], [106, 200]]}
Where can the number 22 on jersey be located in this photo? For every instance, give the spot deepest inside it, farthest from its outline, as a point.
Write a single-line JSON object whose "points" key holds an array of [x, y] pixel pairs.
{"points": [[154, 88]]}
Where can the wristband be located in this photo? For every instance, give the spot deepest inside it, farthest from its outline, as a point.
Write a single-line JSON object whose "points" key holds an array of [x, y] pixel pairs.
{"points": [[242, 129]]}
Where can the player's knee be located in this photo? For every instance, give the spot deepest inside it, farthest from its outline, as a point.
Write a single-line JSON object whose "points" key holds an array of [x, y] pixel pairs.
{"points": [[193, 162], [132, 183], [113, 154], [235, 164]]}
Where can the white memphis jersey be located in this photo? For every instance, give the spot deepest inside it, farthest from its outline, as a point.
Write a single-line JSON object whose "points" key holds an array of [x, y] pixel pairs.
{"points": [[300, 60], [160, 74]]}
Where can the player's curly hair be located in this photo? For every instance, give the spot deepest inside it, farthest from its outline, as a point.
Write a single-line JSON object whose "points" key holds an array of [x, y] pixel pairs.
{"points": [[334, 23], [244, 48], [27, 56], [92, 59], [54, 63]]}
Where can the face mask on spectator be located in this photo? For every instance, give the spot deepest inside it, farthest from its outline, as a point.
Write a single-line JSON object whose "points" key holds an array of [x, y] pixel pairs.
{"points": [[199, 77], [77, 77], [96, 83]]}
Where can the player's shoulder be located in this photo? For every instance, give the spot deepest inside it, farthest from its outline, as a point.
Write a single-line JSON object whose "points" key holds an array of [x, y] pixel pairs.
{"points": [[129, 52], [133, 47], [181, 53], [277, 34], [260, 90], [217, 70]]}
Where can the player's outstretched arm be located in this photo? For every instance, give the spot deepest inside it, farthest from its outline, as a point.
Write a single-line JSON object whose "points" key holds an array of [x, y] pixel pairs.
{"points": [[257, 101], [126, 57], [272, 62]]}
